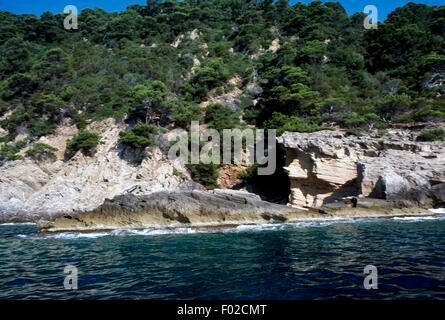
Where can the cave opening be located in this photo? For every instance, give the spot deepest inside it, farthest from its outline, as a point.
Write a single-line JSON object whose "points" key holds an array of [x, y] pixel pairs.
{"points": [[272, 188]]}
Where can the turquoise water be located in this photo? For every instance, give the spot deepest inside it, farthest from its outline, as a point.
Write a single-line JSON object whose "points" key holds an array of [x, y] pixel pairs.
{"points": [[323, 260]]}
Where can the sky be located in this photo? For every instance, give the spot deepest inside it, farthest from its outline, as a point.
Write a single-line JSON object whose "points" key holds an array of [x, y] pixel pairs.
{"points": [[37, 7]]}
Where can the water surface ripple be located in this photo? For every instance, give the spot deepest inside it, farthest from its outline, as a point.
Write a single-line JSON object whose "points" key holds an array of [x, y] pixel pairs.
{"points": [[301, 261]]}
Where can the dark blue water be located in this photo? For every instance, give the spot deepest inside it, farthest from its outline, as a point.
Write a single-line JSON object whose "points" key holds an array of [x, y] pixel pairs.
{"points": [[303, 261]]}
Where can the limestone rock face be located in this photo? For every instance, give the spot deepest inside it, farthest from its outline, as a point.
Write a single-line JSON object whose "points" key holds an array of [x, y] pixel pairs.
{"points": [[326, 166], [30, 190]]}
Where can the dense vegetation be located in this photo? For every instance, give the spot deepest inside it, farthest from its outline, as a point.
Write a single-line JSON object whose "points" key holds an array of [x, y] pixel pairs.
{"points": [[155, 65]]}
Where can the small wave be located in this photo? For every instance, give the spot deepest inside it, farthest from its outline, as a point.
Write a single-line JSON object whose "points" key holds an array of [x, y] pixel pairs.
{"points": [[111, 233], [416, 219], [195, 230], [169, 231], [253, 227], [155, 232], [65, 236], [235, 229], [18, 224], [79, 235], [290, 225], [25, 236]]}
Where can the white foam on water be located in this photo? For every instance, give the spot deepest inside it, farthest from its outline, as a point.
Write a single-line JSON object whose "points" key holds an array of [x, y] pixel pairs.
{"points": [[253, 227], [156, 232], [18, 224], [63, 236], [289, 225], [438, 210], [114, 233], [418, 219], [79, 235], [182, 231], [236, 229]]}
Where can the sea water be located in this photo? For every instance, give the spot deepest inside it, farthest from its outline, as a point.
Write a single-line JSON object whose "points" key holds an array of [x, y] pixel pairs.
{"points": [[307, 260]]}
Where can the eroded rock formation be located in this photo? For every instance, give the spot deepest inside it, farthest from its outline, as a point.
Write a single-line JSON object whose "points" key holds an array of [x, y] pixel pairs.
{"points": [[30, 190], [326, 166]]}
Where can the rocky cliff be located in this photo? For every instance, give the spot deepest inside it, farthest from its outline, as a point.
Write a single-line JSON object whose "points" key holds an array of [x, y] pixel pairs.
{"points": [[30, 189], [326, 166], [323, 167]]}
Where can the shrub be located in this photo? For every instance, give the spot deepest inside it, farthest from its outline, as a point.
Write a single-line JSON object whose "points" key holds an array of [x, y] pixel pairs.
{"points": [[249, 173], [40, 128], [205, 174], [8, 152], [213, 74], [139, 137], [25, 117], [390, 105], [283, 123], [80, 121], [115, 110], [47, 104], [18, 86], [355, 132], [176, 172], [354, 120], [427, 114], [437, 134], [40, 151], [85, 141], [5, 139]]}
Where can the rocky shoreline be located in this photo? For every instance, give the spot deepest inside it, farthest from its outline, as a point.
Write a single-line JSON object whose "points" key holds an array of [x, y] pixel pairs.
{"points": [[219, 208], [390, 175]]}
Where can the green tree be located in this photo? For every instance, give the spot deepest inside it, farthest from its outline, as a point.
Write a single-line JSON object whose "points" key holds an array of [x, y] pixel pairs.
{"points": [[291, 91], [390, 105], [53, 67], [211, 75], [147, 100], [48, 104], [183, 113], [19, 85], [15, 56]]}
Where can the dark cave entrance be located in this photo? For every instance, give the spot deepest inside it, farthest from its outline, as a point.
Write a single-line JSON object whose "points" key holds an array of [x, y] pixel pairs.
{"points": [[273, 188]]}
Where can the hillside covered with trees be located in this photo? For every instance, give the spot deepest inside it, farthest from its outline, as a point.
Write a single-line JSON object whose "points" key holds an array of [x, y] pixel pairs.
{"points": [[295, 68]]}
